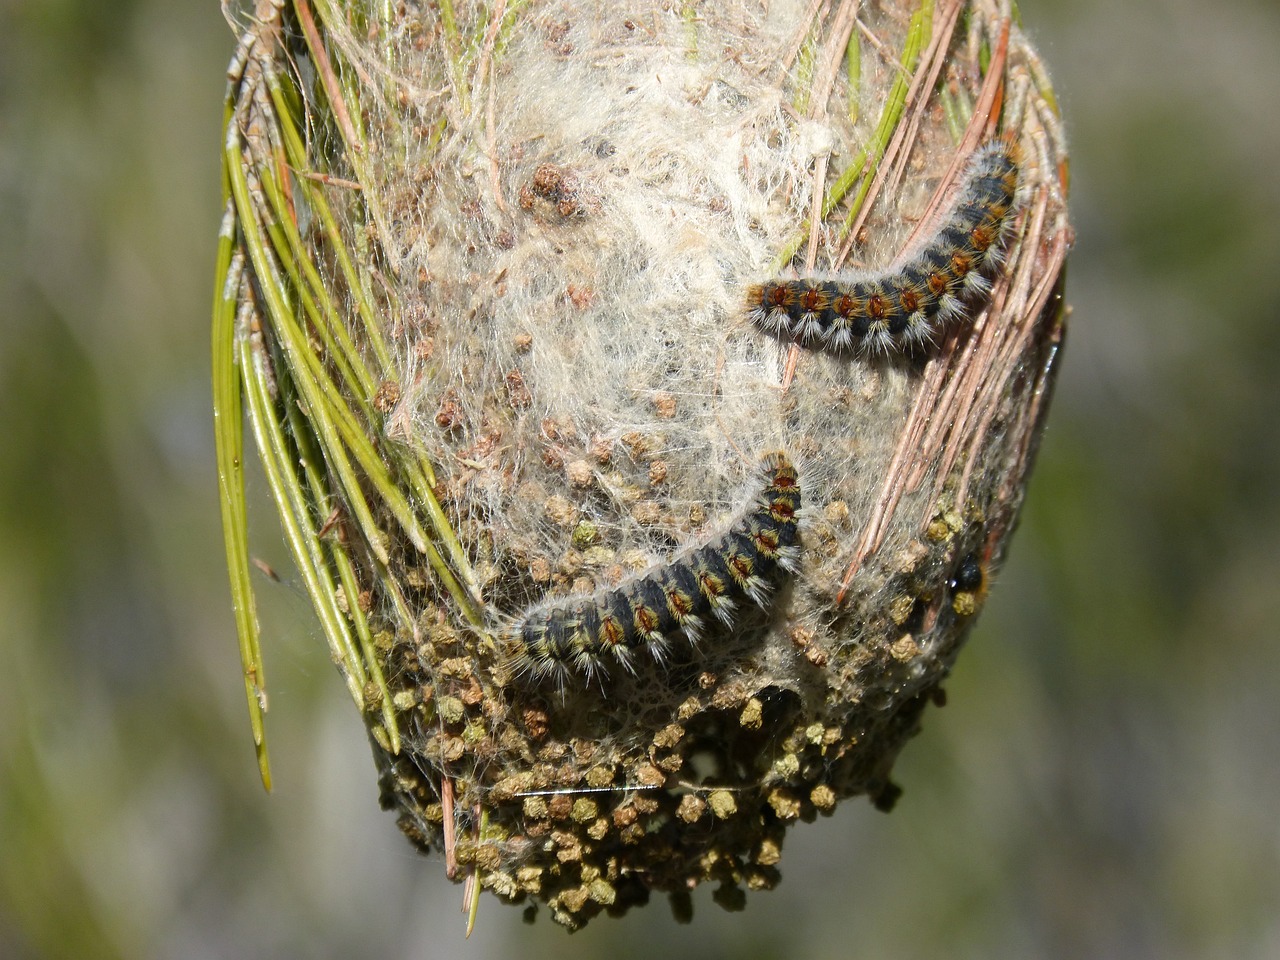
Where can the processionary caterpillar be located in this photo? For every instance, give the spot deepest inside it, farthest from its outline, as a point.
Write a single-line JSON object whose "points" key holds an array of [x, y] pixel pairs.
{"points": [[590, 635], [906, 306]]}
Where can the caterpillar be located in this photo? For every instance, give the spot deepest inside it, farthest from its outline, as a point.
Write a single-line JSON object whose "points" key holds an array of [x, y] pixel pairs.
{"points": [[904, 307], [590, 635]]}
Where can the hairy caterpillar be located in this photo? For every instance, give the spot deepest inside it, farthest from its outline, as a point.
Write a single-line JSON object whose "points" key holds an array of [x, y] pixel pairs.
{"points": [[590, 635], [906, 306]]}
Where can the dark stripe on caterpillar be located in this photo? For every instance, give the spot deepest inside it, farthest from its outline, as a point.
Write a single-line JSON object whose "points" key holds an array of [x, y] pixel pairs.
{"points": [[682, 599], [904, 307]]}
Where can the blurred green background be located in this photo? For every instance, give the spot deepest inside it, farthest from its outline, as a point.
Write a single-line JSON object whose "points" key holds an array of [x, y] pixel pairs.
{"points": [[1104, 782]]}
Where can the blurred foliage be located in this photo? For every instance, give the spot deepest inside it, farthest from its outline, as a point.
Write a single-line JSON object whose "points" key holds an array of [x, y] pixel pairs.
{"points": [[1100, 783]]}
